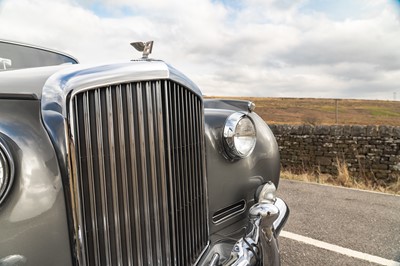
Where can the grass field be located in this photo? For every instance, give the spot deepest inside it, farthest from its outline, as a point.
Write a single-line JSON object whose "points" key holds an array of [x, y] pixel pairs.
{"points": [[323, 111], [343, 179]]}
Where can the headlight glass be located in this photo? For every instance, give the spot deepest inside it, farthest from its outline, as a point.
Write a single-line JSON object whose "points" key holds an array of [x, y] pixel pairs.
{"points": [[6, 171], [239, 135]]}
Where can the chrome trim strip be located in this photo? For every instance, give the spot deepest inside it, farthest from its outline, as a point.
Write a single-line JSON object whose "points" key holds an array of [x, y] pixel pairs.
{"points": [[14, 259], [202, 253], [18, 96], [5, 155], [72, 80], [232, 214]]}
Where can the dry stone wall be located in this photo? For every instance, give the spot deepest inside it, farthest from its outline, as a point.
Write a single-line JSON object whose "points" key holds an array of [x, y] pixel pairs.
{"points": [[368, 151]]}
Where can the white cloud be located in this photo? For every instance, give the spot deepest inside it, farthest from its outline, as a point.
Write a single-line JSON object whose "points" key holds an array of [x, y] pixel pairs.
{"points": [[253, 47]]}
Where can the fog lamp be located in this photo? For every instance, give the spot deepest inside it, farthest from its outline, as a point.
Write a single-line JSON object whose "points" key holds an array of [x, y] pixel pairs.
{"points": [[6, 171], [239, 135]]}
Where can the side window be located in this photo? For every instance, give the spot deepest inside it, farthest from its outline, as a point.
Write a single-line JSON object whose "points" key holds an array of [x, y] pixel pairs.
{"points": [[15, 56]]}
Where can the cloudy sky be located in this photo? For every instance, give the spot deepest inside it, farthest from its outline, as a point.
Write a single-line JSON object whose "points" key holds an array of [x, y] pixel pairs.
{"points": [[272, 48]]}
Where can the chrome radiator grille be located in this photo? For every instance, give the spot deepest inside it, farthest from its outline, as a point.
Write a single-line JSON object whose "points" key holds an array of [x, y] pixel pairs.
{"points": [[138, 188]]}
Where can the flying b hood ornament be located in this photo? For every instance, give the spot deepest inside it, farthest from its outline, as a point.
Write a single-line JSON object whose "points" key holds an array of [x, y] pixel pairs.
{"points": [[145, 47]]}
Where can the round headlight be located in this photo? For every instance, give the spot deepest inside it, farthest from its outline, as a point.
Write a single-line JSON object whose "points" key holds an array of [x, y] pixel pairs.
{"points": [[6, 171], [239, 135]]}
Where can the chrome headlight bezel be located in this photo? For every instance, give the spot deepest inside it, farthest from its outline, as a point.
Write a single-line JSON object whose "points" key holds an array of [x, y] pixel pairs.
{"points": [[6, 171], [231, 134]]}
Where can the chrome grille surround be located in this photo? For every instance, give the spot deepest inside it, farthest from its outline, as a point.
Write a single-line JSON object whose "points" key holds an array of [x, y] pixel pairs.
{"points": [[139, 192]]}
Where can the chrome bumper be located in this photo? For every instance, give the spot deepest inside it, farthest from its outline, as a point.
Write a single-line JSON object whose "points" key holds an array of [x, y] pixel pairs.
{"points": [[259, 246]]}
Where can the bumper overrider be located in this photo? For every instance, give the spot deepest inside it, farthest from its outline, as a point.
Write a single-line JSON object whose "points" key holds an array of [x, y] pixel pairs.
{"points": [[259, 245]]}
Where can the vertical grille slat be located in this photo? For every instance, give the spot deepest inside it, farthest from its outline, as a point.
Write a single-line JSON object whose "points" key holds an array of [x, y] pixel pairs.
{"points": [[102, 177], [113, 177], [169, 157], [90, 175], [195, 217], [135, 182], [165, 219], [121, 105], [155, 221], [140, 174], [142, 157], [182, 176], [197, 173], [178, 176], [192, 197], [186, 191], [79, 189], [201, 174]]}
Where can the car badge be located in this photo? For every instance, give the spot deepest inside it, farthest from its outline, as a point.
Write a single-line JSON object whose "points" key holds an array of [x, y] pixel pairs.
{"points": [[145, 47]]}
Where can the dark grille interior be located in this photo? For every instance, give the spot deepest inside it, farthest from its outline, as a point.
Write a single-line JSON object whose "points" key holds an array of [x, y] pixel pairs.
{"points": [[140, 184]]}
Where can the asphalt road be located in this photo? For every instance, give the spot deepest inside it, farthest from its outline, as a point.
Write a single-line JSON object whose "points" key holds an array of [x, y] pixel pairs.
{"points": [[356, 220]]}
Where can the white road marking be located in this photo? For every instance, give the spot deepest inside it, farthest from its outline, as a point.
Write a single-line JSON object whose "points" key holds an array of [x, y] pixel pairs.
{"points": [[338, 249]]}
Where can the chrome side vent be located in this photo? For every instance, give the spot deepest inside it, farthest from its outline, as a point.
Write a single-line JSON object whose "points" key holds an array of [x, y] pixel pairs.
{"points": [[139, 188], [229, 212]]}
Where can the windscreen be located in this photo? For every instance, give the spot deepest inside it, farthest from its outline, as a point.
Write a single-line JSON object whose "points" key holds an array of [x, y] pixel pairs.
{"points": [[16, 56]]}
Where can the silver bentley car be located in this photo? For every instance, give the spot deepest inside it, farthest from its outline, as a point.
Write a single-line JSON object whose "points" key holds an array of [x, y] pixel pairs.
{"points": [[128, 164]]}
